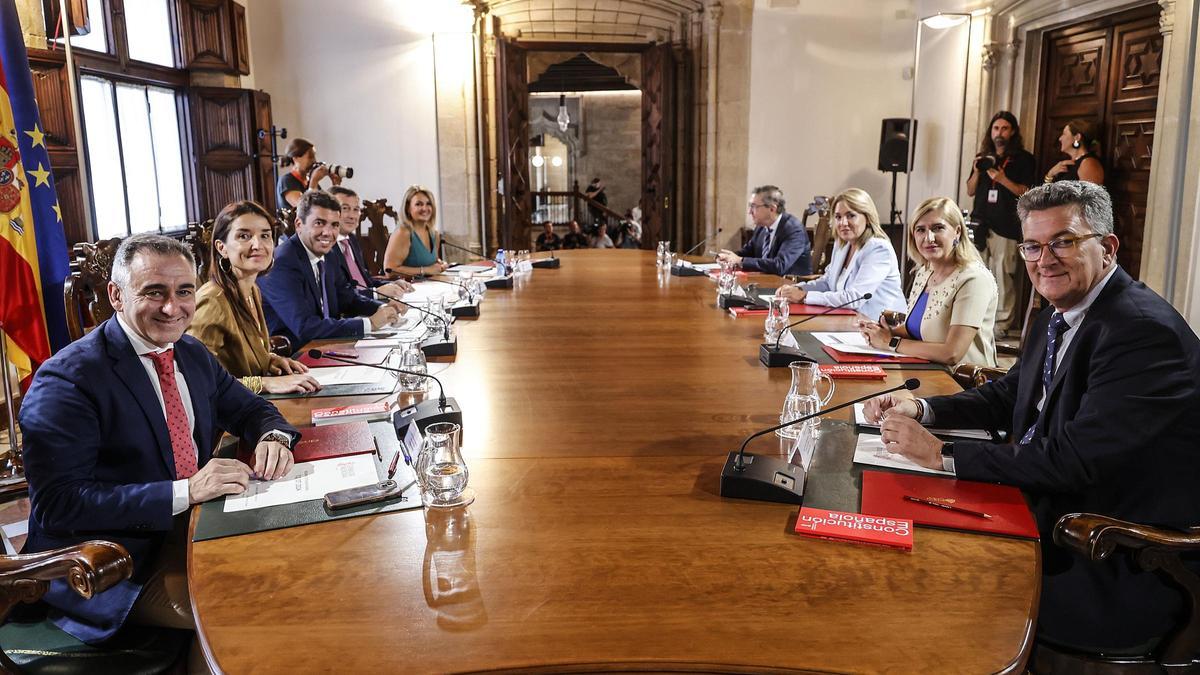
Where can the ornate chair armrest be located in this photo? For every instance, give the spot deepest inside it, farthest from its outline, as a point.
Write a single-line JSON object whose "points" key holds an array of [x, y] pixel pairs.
{"points": [[281, 345], [89, 568], [1098, 536]]}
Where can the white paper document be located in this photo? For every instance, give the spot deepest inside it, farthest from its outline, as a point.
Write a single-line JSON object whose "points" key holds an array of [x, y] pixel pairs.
{"points": [[307, 481], [350, 375], [870, 450], [860, 418], [850, 343], [476, 269], [704, 267]]}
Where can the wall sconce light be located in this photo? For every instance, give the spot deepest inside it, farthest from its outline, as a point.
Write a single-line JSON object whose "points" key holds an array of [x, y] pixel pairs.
{"points": [[556, 161], [564, 120]]}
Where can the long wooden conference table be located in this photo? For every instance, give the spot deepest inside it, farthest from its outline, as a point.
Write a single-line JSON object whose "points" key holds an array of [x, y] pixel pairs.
{"points": [[599, 403]]}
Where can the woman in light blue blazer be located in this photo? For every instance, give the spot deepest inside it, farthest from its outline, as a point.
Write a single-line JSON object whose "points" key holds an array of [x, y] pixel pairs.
{"points": [[863, 262]]}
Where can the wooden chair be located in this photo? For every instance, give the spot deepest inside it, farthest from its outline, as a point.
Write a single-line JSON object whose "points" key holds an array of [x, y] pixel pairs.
{"points": [[970, 375], [1097, 537], [32, 644], [374, 244], [822, 238], [287, 220], [86, 289], [198, 237]]}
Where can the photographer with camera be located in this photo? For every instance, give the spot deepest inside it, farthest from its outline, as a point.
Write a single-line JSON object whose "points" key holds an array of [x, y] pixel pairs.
{"points": [[306, 173], [1003, 171]]}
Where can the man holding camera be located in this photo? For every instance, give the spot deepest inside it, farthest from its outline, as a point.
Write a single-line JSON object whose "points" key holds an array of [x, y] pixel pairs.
{"points": [[1003, 172]]}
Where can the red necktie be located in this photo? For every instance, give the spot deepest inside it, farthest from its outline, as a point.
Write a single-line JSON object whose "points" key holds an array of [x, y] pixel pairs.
{"points": [[355, 273], [177, 419]]}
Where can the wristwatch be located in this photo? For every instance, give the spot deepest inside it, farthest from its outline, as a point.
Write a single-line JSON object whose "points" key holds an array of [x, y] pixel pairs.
{"points": [[894, 343], [279, 437], [948, 457]]}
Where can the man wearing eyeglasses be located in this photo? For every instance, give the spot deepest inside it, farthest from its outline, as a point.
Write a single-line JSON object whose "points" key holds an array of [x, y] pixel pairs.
{"points": [[1100, 413], [779, 244]]}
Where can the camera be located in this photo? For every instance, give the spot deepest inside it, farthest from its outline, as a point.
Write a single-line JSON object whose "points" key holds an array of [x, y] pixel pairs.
{"points": [[338, 170], [985, 162]]}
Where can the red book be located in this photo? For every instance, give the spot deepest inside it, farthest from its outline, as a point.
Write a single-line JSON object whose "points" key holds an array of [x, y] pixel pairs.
{"points": [[366, 412], [855, 527], [370, 356], [884, 492], [796, 309], [852, 372], [335, 440], [842, 357]]}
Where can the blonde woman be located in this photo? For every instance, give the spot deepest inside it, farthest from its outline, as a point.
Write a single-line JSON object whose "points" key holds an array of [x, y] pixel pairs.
{"points": [[952, 305], [412, 248], [863, 262]]}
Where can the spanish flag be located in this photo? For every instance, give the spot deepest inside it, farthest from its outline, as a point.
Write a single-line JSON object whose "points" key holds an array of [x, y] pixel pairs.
{"points": [[33, 247]]}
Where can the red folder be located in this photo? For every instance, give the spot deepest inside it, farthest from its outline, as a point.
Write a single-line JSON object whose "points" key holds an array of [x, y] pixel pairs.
{"points": [[842, 357], [334, 440], [371, 356], [797, 309], [883, 494]]}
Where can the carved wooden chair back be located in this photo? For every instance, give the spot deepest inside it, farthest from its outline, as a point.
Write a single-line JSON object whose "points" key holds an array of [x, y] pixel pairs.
{"points": [[86, 289], [822, 243], [198, 237], [375, 242]]}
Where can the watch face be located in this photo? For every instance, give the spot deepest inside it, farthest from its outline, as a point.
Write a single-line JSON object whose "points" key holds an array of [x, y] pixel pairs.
{"points": [[895, 342], [947, 449]]}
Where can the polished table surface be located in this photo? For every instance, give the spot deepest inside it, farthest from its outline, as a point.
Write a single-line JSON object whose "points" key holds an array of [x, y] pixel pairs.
{"points": [[599, 402]]}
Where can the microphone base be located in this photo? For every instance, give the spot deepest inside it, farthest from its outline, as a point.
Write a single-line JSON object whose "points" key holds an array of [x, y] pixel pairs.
{"points": [[681, 271], [468, 311], [764, 479], [548, 263], [426, 412], [499, 282], [436, 346], [726, 301], [781, 357]]}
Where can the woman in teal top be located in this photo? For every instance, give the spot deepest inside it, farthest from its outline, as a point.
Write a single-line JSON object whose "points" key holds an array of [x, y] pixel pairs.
{"points": [[412, 248]]}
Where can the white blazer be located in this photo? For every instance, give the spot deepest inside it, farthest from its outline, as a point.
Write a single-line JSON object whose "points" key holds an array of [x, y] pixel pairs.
{"points": [[872, 270]]}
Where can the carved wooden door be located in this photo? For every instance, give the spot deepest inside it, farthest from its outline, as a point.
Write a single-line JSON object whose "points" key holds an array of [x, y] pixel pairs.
{"points": [[1107, 71], [512, 149], [228, 155], [658, 143]]}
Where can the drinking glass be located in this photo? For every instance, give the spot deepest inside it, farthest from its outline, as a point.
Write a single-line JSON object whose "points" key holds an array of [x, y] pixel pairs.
{"points": [[778, 310], [441, 471], [412, 358], [660, 253]]}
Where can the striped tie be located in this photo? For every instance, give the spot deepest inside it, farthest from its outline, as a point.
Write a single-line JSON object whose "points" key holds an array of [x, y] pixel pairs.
{"points": [[1057, 325]]}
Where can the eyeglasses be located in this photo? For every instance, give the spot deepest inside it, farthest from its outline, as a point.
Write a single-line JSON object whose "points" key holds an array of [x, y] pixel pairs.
{"points": [[1032, 252], [753, 206]]}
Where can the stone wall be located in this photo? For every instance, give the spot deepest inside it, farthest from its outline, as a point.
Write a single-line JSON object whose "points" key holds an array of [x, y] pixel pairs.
{"points": [[612, 148]]}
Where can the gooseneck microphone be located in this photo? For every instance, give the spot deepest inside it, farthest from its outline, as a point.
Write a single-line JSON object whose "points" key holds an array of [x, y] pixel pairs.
{"points": [[703, 242], [385, 296], [423, 413], [462, 248], [318, 354], [774, 356], [772, 479]]}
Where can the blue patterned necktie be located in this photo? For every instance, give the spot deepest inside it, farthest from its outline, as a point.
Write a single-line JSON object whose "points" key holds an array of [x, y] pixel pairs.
{"points": [[1055, 330], [321, 288]]}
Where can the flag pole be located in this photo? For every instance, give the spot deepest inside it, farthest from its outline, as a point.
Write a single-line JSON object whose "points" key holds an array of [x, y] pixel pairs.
{"points": [[13, 464]]}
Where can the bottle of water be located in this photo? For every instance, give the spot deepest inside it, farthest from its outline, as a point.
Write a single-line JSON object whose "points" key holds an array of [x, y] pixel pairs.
{"points": [[662, 251], [501, 267]]}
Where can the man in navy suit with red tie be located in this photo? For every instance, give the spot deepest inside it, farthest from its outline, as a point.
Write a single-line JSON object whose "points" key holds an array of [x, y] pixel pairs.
{"points": [[779, 244], [306, 295], [1101, 414], [119, 429]]}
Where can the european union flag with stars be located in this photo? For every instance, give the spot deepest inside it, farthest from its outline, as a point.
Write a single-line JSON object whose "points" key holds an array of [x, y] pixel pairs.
{"points": [[33, 246]]}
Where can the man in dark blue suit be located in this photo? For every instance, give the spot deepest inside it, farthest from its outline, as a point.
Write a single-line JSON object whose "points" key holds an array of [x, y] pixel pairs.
{"points": [[351, 264], [779, 244], [306, 295], [1102, 407], [119, 429]]}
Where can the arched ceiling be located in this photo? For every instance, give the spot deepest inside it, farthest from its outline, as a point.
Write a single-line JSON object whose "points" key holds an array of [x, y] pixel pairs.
{"points": [[599, 20]]}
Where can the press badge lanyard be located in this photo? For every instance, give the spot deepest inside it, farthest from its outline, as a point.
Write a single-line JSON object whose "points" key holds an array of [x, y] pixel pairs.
{"points": [[994, 193]]}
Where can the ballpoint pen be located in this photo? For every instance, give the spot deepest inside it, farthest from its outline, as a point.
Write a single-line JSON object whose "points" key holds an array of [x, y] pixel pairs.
{"points": [[404, 449], [948, 507]]}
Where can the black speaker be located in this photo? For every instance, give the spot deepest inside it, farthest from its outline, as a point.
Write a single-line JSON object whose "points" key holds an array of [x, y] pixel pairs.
{"points": [[893, 144]]}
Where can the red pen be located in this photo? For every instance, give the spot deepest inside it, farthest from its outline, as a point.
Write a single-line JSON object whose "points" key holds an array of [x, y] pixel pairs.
{"points": [[940, 505], [392, 468]]}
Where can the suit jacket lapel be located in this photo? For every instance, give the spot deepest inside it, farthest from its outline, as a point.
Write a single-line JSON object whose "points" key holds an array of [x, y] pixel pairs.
{"points": [[310, 281], [1119, 281], [129, 369]]}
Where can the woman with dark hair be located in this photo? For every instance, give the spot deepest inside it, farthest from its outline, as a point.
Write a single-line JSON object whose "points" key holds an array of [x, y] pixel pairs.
{"points": [[412, 249], [229, 316], [306, 172], [1079, 143]]}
